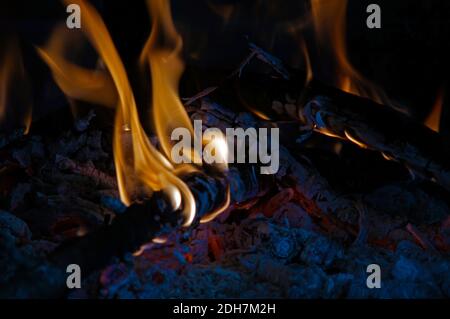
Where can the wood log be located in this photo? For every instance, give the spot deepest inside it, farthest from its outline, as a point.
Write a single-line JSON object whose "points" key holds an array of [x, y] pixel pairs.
{"points": [[142, 222], [138, 225], [333, 112]]}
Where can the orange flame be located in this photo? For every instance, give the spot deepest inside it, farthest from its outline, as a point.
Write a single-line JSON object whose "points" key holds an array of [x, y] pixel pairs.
{"points": [[140, 168], [162, 53], [433, 120], [94, 86], [13, 85], [329, 22], [225, 11]]}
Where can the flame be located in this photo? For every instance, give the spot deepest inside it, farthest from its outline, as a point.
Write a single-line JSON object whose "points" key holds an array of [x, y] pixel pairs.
{"points": [[309, 72], [94, 86], [354, 140], [13, 85], [433, 120], [329, 22], [162, 54], [140, 168], [225, 11], [218, 211]]}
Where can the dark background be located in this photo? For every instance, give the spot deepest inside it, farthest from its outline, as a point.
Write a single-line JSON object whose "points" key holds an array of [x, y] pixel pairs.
{"points": [[408, 57]]}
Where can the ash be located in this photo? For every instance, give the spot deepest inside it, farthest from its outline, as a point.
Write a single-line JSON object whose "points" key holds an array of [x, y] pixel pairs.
{"points": [[270, 243]]}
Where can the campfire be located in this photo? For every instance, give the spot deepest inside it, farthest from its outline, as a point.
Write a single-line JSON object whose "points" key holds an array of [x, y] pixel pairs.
{"points": [[160, 177]]}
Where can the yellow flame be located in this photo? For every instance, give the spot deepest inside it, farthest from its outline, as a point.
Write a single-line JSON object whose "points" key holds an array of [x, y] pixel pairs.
{"points": [[162, 53], [329, 22], [433, 120], [140, 168]]}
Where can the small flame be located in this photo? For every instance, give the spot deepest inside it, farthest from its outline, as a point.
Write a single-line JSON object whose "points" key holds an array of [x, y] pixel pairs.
{"points": [[218, 211], [225, 11], [309, 72], [94, 86], [14, 97], [354, 140], [329, 22], [433, 120]]}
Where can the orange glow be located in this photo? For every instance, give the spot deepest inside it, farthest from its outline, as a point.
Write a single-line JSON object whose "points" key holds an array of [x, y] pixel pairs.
{"points": [[13, 84], [329, 22], [309, 72], [225, 11], [433, 120]]}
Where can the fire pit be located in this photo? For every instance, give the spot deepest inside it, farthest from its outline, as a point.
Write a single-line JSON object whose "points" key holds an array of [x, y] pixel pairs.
{"points": [[154, 173]]}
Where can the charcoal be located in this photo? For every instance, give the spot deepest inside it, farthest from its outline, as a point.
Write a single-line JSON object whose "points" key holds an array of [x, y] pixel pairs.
{"points": [[14, 225], [119, 280], [18, 195], [288, 235], [401, 200], [337, 285], [307, 283], [82, 124], [319, 250], [409, 270]]}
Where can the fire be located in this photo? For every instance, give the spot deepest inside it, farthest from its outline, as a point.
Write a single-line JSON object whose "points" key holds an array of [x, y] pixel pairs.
{"points": [[162, 54], [94, 86], [329, 23], [13, 86], [140, 168], [225, 11], [433, 120]]}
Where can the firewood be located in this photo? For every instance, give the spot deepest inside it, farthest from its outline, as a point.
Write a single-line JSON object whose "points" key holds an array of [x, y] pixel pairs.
{"points": [[141, 222], [333, 112]]}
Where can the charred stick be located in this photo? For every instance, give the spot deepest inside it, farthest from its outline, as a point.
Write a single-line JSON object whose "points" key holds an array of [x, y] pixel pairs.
{"points": [[138, 225], [335, 113], [313, 191], [381, 129]]}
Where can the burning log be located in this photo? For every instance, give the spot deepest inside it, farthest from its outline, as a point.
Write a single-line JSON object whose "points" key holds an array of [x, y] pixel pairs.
{"points": [[312, 191], [335, 113], [381, 129], [138, 225], [142, 222]]}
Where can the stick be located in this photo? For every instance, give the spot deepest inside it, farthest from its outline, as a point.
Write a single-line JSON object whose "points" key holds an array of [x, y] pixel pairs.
{"points": [[138, 225]]}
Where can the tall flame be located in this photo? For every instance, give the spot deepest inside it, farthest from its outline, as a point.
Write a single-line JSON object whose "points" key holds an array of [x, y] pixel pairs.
{"points": [[162, 54], [329, 22], [140, 167]]}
